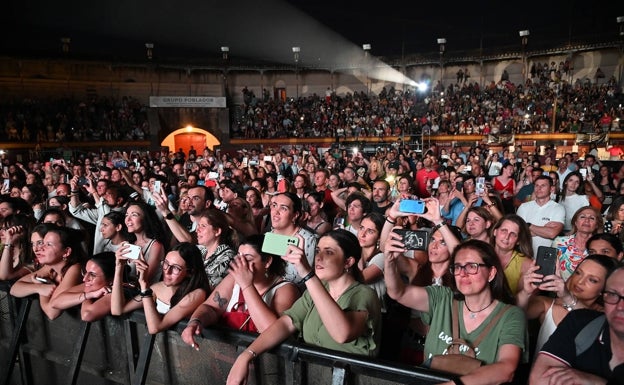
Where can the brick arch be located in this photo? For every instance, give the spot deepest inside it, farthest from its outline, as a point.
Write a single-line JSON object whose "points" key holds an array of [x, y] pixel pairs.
{"points": [[185, 137]]}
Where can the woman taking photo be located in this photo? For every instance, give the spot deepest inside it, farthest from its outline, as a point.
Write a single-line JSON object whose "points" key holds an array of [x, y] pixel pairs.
{"points": [[571, 249], [583, 290], [614, 220], [285, 213], [214, 241], [93, 293], [143, 223], [250, 298], [335, 312], [60, 269], [183, 288], [480, 295]]}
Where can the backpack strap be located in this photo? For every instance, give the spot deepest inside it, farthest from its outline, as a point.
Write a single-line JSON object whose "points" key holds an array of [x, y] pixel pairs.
{"points": [[455, 319], [586, 337]]}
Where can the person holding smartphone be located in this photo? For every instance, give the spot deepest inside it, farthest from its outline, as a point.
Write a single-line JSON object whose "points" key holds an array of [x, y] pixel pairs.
{"points": [[582, 291], [335, 312]]}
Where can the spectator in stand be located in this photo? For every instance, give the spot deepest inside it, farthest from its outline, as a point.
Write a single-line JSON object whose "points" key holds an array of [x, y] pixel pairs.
{"points": [[614, 220], [425, 177], [505, 186], [544, 216]]}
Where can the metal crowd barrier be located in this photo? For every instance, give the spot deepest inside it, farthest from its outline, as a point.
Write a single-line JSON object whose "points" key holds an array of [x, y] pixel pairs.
{"points": [[118, 350]]}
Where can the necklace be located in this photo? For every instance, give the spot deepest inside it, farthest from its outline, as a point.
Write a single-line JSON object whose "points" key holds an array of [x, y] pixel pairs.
{"points": [[473, 314]]}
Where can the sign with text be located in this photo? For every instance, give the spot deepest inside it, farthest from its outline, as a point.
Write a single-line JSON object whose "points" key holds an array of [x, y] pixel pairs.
{"points": [[187, 101]]}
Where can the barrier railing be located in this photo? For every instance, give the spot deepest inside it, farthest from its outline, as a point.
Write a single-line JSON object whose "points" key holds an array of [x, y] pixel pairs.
{"points": [[118, 350]]}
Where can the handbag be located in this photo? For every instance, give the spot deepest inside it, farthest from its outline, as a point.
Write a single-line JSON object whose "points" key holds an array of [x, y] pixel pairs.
{"points": [[460, 362]]}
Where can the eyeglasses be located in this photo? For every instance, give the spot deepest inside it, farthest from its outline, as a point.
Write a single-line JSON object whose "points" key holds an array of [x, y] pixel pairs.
{"points": [[469, 268], [611, 297], [172, 268], [89, 275]]}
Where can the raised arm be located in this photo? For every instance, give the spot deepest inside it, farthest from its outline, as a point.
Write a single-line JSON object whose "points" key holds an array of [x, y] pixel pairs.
{"points": [[162, 204], [338, 199], [411, 296]]}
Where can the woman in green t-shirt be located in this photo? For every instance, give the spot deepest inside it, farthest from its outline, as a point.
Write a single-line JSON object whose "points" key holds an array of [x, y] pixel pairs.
{"points": [[481, 291]]}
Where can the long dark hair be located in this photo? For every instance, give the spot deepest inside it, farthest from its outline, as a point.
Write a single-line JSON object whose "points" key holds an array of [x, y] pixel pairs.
{"points": [[105, 261], [348, 242], [523, 244], [70, 238], [499, 287], [196, 277], [117, 218], [579, 191], [26, 222], [152, 225], [277, 266], [217, 219], [609, 264]]}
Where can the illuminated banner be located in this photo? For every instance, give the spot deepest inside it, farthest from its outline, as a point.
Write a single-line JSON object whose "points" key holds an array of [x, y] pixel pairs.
{"points": [[602, 137], [187, 101]]}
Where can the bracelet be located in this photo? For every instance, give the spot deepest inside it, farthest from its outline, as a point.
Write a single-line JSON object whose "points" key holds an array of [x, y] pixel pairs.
{"points": [[307, 277], [247, 287], [75, 191], [8, 245], [146, 293], [390, 221], [438, 226], [253, 354], [194, 320]]}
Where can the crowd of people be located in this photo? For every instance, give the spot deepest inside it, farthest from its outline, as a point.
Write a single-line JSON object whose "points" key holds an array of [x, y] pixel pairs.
{"points": [[373, 255], [40, 120], [464, 107]]}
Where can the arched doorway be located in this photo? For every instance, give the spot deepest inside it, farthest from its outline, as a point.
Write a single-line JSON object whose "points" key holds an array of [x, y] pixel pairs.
{"points": [[189, 136]]}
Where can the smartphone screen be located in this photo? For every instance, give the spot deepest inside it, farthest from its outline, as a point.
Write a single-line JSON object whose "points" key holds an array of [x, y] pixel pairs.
{"points": [[412, 206], [277, 244]]}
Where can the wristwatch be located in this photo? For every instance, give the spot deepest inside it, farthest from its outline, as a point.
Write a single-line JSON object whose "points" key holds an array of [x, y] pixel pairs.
{"points": [[169, 216]]}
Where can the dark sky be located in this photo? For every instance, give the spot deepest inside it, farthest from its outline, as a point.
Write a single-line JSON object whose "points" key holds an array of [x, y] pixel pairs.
{"points": [[194, 30]]}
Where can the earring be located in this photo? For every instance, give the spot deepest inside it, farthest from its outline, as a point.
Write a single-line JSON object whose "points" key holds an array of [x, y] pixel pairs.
{"points": [[266, 273]]}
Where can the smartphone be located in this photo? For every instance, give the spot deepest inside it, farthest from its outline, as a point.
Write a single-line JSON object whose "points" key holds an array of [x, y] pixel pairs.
{"points": [[468, 168], [414, 239], [480, 189], [583, 172], [546, 260], [133, 252], [6, 184], [213, 175], [277, 244], [459, 186], [412, 206], [245, 162], [43, 280], [282, 186], [268, 158], [5, 169], [157, 186]]}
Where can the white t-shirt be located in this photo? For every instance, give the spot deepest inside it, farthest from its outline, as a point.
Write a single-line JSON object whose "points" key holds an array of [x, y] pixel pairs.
{"points": [[572, 203], [538, 215]]}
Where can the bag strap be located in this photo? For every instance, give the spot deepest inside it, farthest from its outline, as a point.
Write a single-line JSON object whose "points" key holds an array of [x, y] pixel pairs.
{"points": [[481, 336], [586, 337], [490, 325]]}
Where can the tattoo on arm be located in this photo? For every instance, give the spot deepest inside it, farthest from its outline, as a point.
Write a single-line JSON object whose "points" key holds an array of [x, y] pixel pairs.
{"points": [[221, 302]]}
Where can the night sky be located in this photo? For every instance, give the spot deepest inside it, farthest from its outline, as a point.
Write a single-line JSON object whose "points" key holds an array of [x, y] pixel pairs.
{"points": [[265, 30]]}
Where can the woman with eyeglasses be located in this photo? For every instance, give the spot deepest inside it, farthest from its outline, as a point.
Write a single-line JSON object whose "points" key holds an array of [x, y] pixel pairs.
{"points": [[93, 293], [479, 296], [14, 257], [250, 298], [183, 288], [60, 256], [581, 291]]}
